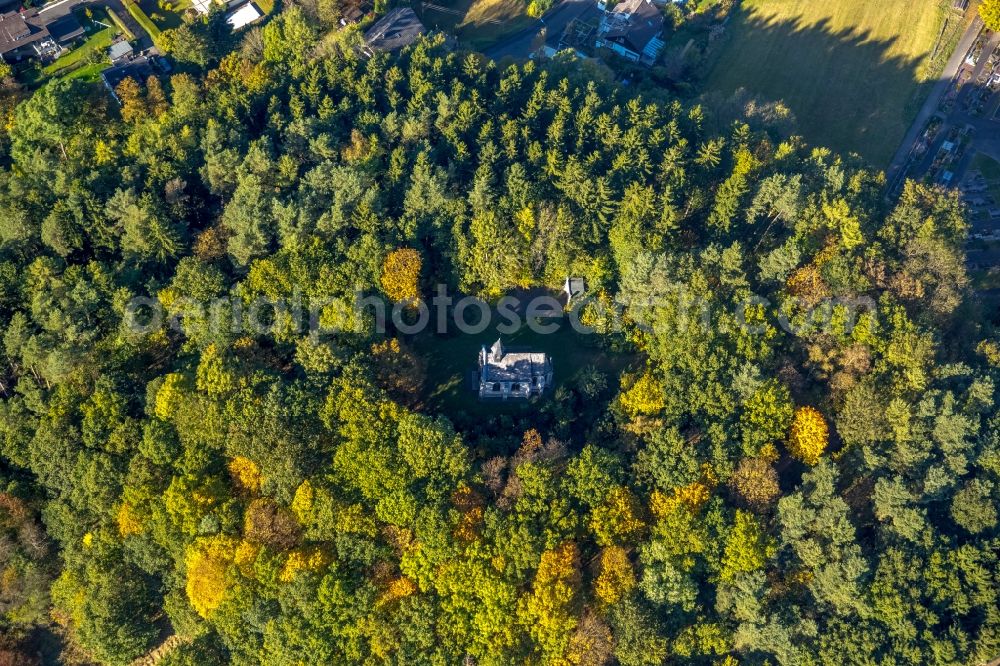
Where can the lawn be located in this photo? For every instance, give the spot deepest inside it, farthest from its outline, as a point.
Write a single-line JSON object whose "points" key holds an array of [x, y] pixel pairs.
{"points": [[987, 166], [477, 23], [147, 23], [98, 41], [854, 72], [88, 59], [451, 358], [166, 14]]}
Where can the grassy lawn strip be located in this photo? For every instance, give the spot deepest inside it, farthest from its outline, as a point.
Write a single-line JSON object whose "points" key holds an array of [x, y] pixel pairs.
{"points": [[90, 73], [96, 42], [265, 6], [129, 35], [147, 23], [853, 72]]}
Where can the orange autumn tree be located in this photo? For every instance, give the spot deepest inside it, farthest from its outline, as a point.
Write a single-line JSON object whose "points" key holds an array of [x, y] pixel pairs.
{"points": [[809, 435], [401, 275]]}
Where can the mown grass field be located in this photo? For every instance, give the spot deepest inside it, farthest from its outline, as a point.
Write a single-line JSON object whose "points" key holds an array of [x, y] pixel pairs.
{"points": [[478, 23], [854, 72], [166, 14]]}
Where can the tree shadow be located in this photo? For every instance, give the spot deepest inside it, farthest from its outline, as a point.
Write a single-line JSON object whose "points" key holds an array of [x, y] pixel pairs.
{"points": [[848, 90]]}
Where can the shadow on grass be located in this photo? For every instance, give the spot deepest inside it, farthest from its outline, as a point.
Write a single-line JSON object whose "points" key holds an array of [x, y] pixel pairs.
{"points": [[451, 386], [844, 87]]}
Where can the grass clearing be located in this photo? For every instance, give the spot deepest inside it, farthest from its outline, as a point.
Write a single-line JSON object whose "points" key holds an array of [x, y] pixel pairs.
{"points": [[165, 14], [478, 23], [451, 358], [854, 72]]}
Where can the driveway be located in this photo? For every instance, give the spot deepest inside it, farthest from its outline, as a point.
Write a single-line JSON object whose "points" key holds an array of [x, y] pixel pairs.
{"points": [[522, 43]]}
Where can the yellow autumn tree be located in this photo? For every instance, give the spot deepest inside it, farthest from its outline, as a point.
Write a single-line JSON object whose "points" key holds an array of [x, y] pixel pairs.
{"points": [[548, 612], [989, 11], [809, 435], [302, 502], [307, 559], [245, 557], [169, 396], [245, 473], [616, 578], [401, 275], [645, 397], [397, 589], [616, 519], [208, 562], [129, 522], [690, 497]]}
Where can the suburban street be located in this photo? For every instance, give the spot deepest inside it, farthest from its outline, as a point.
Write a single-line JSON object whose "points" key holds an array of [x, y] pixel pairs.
{"points": [[932, 103], [551, 25]]}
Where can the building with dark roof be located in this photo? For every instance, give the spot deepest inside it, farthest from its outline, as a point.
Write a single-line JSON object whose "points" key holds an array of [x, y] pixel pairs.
{"points": [[399, 28], [632, 30], [18, 38], [25, 35], [65, 29]]}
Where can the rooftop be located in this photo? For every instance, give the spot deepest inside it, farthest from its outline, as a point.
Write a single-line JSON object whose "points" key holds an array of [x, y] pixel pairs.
{"points": [[15, 32], [399, 28], [633, 23], [243, 16], [119, 50], [502, 365], [138, 69], [65, 29]]}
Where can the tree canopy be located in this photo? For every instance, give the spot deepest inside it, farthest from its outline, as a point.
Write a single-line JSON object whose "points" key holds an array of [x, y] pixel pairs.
{"points": [[797, 461]]}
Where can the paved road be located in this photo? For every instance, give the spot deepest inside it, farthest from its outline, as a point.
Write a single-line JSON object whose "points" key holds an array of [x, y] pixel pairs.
{"points": [[933, 101], [553, 23]]}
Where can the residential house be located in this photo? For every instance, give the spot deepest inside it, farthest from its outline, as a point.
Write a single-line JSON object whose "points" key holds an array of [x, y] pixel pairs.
{"points": [[120, 51], [205, 6], [632, 29], [20, 39], [243, 16], [353, 12], [28, 35], [397, 29], [506, 374]]}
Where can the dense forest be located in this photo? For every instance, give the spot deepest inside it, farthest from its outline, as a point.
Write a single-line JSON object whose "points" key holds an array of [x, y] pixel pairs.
{"points": [[800, 468]]}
